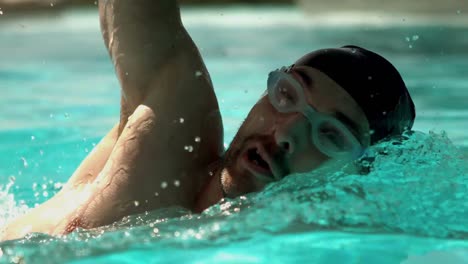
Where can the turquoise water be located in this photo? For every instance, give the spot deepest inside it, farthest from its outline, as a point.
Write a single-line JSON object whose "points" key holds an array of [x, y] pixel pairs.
{"points": [[59, 96]]}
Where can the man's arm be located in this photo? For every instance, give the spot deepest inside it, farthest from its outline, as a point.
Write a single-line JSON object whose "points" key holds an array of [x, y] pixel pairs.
{"points": [[174, 130], [164, 79], [141, 37]]}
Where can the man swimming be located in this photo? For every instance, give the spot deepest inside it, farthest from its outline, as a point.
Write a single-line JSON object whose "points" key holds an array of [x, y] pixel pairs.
{"points": [[167, 149]]}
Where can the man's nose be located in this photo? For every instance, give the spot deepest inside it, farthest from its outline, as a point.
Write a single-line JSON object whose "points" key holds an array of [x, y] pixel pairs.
{"points": [[291, 133]]}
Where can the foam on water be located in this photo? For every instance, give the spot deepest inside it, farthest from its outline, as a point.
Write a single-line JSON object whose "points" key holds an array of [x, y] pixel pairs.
{"points": [[409, 193]]}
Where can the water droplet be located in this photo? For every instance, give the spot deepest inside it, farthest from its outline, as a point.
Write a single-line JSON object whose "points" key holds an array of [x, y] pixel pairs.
{"points": [[164, 185], [415, 37], [210, 173], [410, 46], [155, 230], [384, 113], [44, 186], [197, 139], [41, 152], [126, 73], [216, 227], [57, 185], [1, 12], [17, 260], [176, 183], [66, 115], [156, 194], [86, 150], [136, 203], [181, 120], [198, 73], [25, 162], [189, 148], [33, 138], [45, 194], [458, 12], [127, 234], [176, 233], [34, 186], [407, 39], [369, 78]]}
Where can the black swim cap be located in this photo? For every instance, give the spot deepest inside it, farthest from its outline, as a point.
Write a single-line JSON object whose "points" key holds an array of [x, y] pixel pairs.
{"points": [[373, 82]]}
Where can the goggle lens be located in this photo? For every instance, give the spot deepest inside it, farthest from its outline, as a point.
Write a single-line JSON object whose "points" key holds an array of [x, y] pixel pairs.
{"points": [[283, 95], [329, 135], [332, 138]]}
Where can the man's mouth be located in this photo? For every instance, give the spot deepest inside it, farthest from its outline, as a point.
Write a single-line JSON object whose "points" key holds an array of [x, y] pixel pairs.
{"points": [[259, 163]]}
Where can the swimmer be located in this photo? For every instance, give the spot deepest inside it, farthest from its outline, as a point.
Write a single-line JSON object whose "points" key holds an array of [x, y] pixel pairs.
{"points": [[167, 149]]}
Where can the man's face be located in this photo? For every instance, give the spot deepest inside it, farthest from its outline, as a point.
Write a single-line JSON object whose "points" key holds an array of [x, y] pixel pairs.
{"points": [[270, 144]]}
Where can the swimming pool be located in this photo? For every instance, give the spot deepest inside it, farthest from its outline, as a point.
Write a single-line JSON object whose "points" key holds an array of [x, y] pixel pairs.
{"points": [[59, 96]]}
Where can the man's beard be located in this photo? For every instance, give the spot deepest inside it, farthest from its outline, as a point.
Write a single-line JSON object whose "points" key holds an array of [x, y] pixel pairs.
{"points": [[230, 179], [237, 181]]}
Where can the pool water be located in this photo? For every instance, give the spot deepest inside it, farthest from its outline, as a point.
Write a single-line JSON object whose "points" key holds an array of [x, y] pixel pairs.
{"points": [[59, 96]]}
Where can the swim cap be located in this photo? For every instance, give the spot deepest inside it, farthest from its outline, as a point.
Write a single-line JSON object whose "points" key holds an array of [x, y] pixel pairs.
{"points": [[373, 82]]}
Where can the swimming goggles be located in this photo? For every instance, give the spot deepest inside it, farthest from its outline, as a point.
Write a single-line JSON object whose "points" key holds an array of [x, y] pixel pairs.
{"points": [[329, 135]]}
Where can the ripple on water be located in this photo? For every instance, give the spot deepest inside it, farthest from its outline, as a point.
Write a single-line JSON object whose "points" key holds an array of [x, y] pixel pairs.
{"points": [[405, 197]]}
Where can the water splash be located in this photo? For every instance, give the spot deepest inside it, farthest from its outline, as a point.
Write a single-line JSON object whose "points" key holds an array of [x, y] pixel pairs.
{"points": [[409, 190], [9, 208], [415, 185]]}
